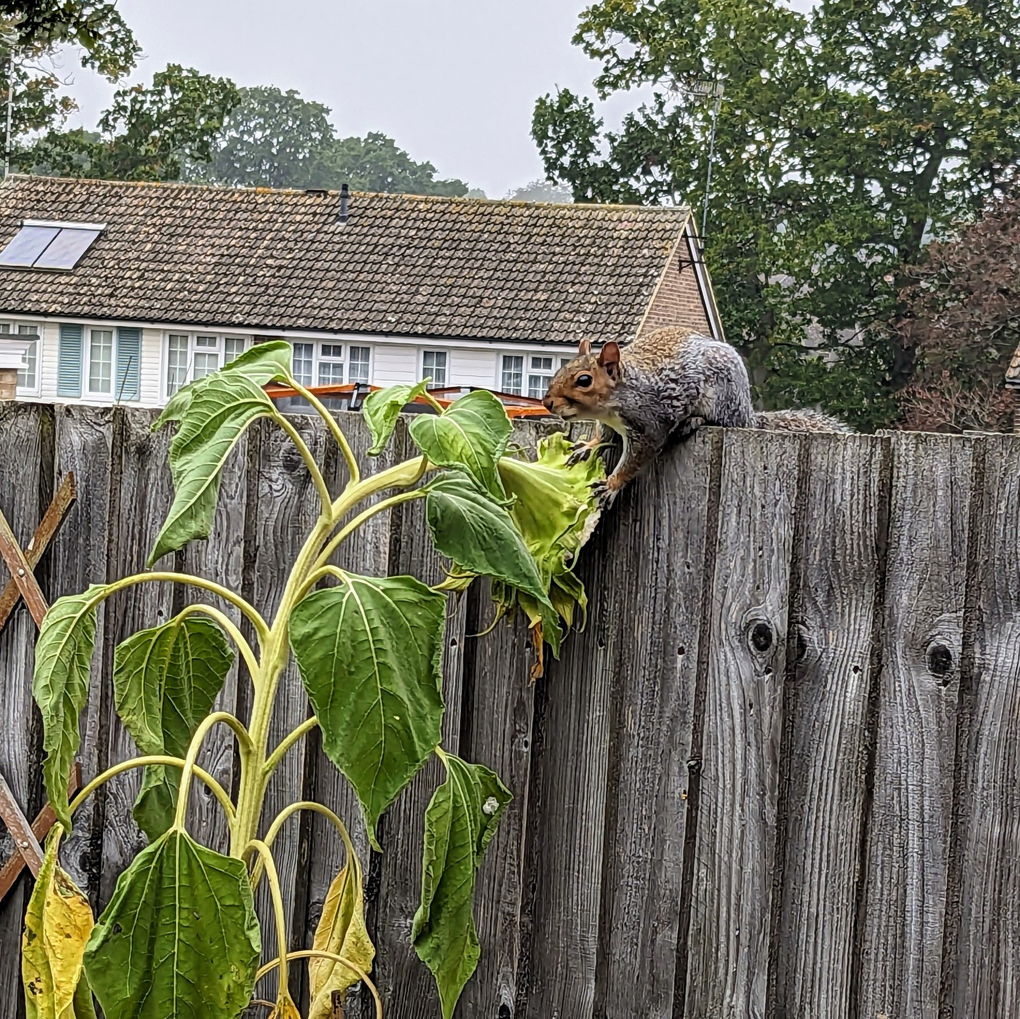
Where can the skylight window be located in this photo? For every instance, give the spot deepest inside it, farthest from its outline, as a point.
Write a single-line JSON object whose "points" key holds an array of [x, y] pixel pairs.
{"points": [[45, 245]]}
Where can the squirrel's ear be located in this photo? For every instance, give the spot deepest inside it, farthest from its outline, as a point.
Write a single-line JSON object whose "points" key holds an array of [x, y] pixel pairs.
{"points": [[584, 347], [609, 358]]}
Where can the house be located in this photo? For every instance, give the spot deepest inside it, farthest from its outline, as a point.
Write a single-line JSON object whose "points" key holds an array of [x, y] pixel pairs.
{"points": [[124, 292]]}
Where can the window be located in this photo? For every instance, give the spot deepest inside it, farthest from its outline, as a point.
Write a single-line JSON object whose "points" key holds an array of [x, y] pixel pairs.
{"points": [[541, 369], [28, 377], [330, 364], [358, 370], [301, 363], [41, 244], [100, 359], [433, 366], [513, 373], [191, 356]]}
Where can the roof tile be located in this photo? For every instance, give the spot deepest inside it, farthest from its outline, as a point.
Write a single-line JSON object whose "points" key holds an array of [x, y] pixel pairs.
{"points": [[260, 259]]}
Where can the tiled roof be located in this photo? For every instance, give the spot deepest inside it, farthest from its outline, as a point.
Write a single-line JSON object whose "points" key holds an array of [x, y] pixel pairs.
{"points": [[260, 259], [1013, 371]]}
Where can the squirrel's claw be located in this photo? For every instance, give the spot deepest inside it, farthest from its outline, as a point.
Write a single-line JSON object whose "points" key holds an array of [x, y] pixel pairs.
{"points": [[604, 495], [579, 453]]}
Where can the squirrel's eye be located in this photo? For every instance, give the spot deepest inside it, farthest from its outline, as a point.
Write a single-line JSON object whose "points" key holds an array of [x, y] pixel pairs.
{"points": [[583, 381]]}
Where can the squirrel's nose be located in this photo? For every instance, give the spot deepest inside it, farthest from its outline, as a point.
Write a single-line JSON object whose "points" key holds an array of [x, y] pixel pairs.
{"points": [[548, 401]]}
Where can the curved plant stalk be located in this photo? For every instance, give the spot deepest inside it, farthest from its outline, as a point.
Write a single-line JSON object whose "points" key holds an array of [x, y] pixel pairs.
{"points": [[269, 864], [288, 812], [245, 749], [142, 762], [306, 454], [331, 423], [228, 625], [348, 529], [288, 741], [313, 953], [248, 611]]}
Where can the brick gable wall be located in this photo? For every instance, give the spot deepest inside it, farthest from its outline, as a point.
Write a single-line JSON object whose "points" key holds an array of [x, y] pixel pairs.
{"points": [[678, 301]]}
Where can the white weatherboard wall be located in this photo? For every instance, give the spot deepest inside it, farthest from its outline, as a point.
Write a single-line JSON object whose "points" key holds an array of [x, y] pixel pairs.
{"points": [[393, 360], [394, 363]]}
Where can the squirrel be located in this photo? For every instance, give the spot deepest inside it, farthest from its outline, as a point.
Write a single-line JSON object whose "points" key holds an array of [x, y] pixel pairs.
{"points": [[663, 385]]}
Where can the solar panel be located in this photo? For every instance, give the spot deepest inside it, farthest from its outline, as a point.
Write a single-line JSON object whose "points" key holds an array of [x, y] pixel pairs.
{"points": [[49, 246], [65, 249], [27, 245]]}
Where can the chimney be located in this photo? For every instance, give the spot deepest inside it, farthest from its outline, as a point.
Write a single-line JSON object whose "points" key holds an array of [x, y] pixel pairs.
{"points": [[345, 197]]}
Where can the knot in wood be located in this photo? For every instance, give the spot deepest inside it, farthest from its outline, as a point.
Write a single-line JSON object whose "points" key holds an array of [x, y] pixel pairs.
{"points": [[761, 636], [940, 660]]}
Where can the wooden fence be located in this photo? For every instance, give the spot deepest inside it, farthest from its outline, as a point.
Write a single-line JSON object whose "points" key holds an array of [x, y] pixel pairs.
{"points": [[778, 775]]}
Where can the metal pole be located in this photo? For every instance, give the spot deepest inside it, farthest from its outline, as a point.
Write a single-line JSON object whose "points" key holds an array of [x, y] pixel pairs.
{"points": [[10, 108], [711, 156]]}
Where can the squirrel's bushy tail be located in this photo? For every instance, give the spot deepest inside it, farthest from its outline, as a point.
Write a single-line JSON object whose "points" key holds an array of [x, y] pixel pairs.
{"points": [[799, 421]]}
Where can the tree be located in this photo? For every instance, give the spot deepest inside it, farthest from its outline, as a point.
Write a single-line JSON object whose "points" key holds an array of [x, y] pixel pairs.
{"points": [[542, 191], [279, 139], [31, 34], [961, 314], [845, 137], [147, 134]]}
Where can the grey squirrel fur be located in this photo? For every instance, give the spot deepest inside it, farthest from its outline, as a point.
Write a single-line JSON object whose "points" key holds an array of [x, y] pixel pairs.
{"points": [[663, 385]]}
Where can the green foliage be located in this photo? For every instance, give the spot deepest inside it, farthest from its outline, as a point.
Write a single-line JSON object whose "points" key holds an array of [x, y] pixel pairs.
{"points": [[479, 535], [63, 659], [147, 134], [165, 681], [278, 139], [214, 411], [38, 30], [179, 938], [382, 408], [472, 435], [369, 652], [554, 511], [180, 935], [845, 138], [459, 823]]}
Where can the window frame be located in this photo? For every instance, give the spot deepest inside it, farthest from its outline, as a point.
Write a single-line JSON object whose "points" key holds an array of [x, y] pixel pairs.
{"points": [[220, 350], [16, 325], [423, 371], [527, 370], [86, 362], [318, 358]]}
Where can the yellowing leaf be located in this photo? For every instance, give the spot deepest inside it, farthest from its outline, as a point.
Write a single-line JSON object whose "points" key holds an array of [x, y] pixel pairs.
{"points": [[57, 925], [342, 932]]}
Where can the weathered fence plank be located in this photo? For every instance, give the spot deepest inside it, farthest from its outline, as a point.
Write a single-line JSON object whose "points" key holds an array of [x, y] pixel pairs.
{"points": [[908, 828], [77, 558], [837, 607], [982, 977], [367, 551], [220, 558], [659, 540], [741, 727], [401, 977], [26, 436], [286, 507], [708, 821], [141, 494]]}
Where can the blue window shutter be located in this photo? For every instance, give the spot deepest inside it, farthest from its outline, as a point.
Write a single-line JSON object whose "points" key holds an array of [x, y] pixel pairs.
{"points": [[127, 384], [69, 361]]}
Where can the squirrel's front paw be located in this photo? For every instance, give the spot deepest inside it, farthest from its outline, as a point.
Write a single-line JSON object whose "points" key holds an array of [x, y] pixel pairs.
{"points": [[579, 452], [605, 495]]}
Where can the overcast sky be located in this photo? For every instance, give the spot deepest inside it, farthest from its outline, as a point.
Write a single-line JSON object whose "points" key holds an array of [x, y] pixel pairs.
{"points": [[453, 81]]}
